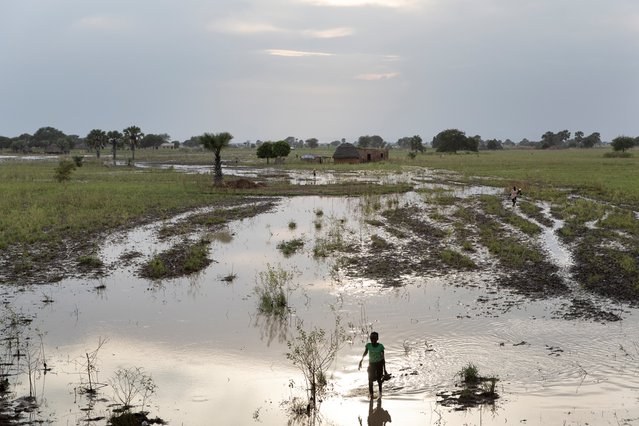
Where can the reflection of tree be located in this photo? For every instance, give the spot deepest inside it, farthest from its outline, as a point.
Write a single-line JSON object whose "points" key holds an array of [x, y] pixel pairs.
{"points": [[377, 416], [272, 326]]}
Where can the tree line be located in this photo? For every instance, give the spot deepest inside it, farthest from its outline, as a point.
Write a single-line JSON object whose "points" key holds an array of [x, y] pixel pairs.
{"points": [[50, 139]]}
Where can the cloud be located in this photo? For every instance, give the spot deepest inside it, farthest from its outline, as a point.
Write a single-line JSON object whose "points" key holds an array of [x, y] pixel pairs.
{"points": [[359, 3], [329, 33], [377, 76], [294, 53], [101, 23], [243, 27]]}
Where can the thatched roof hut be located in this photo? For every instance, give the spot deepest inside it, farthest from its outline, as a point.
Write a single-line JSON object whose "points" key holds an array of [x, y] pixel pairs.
{"points": [[346, 153]]}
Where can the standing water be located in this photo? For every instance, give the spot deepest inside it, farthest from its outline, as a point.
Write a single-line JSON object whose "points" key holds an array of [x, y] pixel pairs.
{"points": [[216, 360]]}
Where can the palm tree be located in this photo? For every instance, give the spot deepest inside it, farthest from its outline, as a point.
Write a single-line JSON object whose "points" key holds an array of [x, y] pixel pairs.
{"points": [[115, 138], [215, 143], [133, 135], [96, 139]]}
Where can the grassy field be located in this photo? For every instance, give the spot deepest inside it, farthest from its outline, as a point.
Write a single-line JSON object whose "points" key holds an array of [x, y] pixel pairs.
{"points": [[37, 208]]}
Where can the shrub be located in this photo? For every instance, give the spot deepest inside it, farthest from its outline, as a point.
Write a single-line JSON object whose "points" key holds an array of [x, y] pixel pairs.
{"points": [[63, 170], [272, 291], [290, 247], [469, 374], [91, 262]]}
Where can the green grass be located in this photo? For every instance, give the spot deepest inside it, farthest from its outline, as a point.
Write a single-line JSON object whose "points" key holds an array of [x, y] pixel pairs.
{"points": [[36, 208], [288, 248], [455, 259]]}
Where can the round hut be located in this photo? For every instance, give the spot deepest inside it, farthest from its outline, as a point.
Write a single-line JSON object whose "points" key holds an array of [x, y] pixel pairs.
{"points": [[346, 153]]}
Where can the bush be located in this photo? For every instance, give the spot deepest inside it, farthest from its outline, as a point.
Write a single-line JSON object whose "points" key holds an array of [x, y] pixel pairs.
{"points": [[290, 247], [64, 170], [272, 291]]}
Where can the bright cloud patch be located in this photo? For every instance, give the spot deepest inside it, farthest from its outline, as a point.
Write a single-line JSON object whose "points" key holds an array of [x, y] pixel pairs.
{"points": [[243, 27], [100, 23], [353, 3], [376, 77], [330, 33], [294, 53]]}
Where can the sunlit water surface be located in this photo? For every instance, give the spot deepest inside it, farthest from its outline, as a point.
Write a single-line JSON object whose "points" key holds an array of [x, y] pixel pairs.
{"points": [[215, 361]]}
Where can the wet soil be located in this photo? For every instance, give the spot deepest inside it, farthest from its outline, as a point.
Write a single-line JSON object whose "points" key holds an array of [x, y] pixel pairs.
{"points": [[53, 261]]}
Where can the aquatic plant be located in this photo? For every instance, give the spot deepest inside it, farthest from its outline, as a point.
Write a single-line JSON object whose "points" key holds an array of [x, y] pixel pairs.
{"points": [[292, 225], [288, 248], [273, 290], [132, 384], [455, 259], [469, 374], [91, 367]]}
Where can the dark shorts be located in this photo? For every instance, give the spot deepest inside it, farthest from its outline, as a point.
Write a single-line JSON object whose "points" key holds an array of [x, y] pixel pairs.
{"points": [[375, 371]]}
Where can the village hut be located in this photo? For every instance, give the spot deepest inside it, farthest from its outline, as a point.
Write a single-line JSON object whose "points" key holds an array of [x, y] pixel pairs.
{"points": [[349, 153], [346, 153]]}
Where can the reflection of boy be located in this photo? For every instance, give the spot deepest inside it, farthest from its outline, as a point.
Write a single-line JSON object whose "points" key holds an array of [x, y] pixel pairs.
{"points": [[378, 416], [376, 363]]}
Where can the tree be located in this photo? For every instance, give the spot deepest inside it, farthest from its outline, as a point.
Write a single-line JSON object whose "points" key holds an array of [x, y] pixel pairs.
{"points": [[579, 137], [494, 144], [5, 142], [115, 139], [622, 143], [45, 136], [312, 143], [367, 141], [96, 139], [192, 142], [132, 136], [591, 140], [265, 150], [281, 149], [416, 144], [216, 142], [154, 141], [404, 142], [453, 140]]}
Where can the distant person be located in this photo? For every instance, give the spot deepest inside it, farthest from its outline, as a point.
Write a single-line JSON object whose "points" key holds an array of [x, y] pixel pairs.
{"points": [[514, 193], [376, 364], [377, 416]]}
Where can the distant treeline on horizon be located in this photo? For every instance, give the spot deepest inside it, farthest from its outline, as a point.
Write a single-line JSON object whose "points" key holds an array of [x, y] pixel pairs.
{"points": [[50, 139]]}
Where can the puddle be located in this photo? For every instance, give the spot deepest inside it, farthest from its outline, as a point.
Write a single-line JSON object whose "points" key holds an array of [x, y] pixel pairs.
{"points": [[216, 361]]}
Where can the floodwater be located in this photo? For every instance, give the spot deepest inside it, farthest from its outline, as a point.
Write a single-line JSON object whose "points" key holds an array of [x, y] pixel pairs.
{"points": [[216, 361]]}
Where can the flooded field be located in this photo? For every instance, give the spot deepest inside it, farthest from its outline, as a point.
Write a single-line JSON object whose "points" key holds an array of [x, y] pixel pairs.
{"points": [[215, 359]]}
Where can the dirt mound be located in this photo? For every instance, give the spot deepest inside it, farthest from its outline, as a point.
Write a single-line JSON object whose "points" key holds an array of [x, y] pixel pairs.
{"points": [[243, 184]]}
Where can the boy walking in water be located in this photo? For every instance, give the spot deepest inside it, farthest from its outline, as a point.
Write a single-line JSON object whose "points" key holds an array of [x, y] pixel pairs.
{"points": [[376, 363]]}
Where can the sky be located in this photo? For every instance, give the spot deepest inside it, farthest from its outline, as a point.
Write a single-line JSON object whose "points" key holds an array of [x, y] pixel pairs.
{"points": [[326, 69]]}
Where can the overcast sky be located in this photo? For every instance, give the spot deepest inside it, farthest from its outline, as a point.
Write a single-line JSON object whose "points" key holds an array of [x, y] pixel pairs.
{"points": [[331, 69]]}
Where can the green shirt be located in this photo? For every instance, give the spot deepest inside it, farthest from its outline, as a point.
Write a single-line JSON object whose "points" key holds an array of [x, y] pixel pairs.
{"points": [[374, 352]]}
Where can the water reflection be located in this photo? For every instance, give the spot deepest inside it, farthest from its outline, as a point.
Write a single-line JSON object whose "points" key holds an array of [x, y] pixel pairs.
{"points": [[272, 327], [377, 416]]}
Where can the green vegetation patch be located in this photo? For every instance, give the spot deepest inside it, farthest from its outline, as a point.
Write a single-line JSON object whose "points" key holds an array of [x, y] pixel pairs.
{"points": [[457, 260], [272, 291], [90, 262], [290, 247], [493, 205], [182, 259]]}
